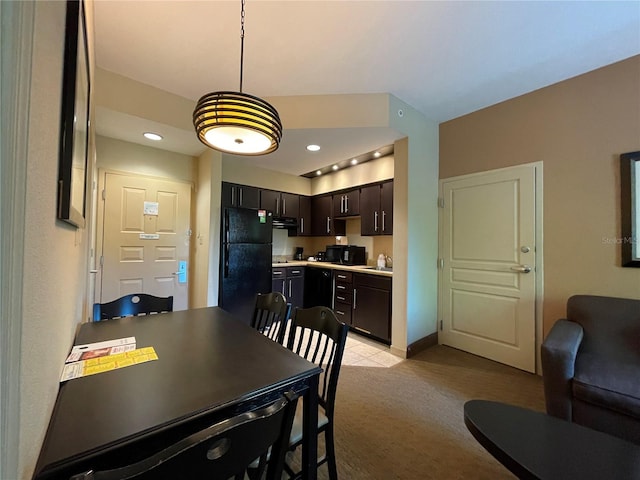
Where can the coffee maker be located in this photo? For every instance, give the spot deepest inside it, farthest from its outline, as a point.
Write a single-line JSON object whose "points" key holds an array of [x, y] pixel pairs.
{"points": [[298, 254]]}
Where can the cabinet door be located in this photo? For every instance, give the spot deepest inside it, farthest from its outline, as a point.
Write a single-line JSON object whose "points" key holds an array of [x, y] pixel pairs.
{"points": [[321, 215], [295, 292], [270, 200], [372, 306], [304, 220], [386, 208], [278, 285], [248, 197], [370, 210], [352, 202], [289, 205], [229, 195]]}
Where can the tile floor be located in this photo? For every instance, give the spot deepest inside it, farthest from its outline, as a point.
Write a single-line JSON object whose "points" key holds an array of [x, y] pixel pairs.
{"points": [[360, 351]]}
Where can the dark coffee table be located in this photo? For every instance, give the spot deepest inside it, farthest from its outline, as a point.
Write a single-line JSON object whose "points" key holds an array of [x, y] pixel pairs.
{"points": [[534, 445]]}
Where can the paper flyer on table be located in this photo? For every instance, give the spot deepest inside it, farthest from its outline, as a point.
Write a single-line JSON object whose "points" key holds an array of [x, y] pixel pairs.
{"points": [[107, 363], [100, 349]]}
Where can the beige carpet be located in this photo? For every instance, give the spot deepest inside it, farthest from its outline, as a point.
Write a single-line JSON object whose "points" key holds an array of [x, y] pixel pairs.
{"points": [[406, 422]]}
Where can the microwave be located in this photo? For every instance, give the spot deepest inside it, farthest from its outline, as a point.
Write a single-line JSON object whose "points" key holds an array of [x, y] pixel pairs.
{"points": [[346, 254]]}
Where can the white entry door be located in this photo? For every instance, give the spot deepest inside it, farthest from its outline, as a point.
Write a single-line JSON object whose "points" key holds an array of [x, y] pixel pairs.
{"points": [[488, 258], [145, 238]]}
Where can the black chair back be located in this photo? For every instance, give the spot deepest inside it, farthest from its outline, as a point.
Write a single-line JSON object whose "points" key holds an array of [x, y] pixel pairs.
{"points": [[132, 305], [317, 335], [221, 451], [271, 316]]}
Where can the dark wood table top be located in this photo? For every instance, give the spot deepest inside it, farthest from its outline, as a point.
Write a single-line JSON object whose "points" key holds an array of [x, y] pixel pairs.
{"points": [[207, 362], [534, 445]]}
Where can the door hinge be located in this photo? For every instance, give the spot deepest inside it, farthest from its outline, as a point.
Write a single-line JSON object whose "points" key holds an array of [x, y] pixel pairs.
{"points": [[104, 195], [441, 202], [441, 263], [440, 324], [101, 261]]}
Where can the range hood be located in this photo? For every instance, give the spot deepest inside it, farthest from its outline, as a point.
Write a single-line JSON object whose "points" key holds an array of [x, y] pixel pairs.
{"points": [[285, 222]]}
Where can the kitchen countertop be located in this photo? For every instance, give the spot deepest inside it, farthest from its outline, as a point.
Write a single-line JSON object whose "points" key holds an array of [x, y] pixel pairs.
{"points": [[334, 266]]}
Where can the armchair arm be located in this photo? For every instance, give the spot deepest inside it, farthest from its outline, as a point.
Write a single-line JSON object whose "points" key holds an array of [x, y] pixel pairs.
{"points": [[558, 355]]}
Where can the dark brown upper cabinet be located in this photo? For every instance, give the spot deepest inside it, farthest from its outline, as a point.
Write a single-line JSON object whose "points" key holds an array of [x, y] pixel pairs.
{"points": [[346, 204], [234, 195], [376, 209], [280, 203]]}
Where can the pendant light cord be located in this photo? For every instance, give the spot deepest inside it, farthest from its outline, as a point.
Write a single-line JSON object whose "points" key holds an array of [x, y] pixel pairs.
{"points": [[241, 41]]}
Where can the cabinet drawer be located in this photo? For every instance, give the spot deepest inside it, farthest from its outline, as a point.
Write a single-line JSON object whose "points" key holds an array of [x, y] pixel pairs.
{"points": [[278, 272], [343, 276], [343, 297], [374, 281], [343, 312], [295, 272]]}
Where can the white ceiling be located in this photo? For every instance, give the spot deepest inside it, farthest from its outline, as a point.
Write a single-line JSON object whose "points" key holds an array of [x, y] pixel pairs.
{"points": [[445, 59]]}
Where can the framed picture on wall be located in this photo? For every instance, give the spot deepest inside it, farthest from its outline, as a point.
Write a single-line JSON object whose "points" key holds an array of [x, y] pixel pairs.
{"points": [[74, 123]]}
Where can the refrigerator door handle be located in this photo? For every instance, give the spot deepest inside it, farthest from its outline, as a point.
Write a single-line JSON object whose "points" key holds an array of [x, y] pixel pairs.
{"points": [[226, 260], [226, 226]]}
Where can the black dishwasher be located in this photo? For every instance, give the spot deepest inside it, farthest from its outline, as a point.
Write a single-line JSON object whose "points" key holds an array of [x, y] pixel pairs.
{"points": [[318, 287]]}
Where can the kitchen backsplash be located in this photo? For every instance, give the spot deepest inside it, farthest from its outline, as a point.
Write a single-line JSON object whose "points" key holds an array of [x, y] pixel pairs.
{"points": [[285, 246]]}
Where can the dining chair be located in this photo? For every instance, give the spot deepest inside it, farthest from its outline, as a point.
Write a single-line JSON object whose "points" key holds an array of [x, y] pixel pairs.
{"points": [[271, 315], [317, 335], [220, 451], [132, 305]]}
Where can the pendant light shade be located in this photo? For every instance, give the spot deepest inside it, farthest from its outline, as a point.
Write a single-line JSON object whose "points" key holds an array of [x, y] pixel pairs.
{"points": [[237, 123]]}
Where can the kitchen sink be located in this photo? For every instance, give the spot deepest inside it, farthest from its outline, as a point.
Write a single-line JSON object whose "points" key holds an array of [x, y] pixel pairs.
{"points": [[382, 269]]}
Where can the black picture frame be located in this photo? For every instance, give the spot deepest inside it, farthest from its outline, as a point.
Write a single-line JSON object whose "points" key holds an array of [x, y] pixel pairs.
{"points": [[630, 208], [74, 123]]}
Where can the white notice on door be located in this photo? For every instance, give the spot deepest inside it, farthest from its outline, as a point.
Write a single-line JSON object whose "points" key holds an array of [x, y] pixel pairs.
{"points": [[151, 208]]}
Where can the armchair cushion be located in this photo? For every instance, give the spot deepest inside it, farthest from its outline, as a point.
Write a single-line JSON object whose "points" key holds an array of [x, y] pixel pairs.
{"points": [[608, 383]]}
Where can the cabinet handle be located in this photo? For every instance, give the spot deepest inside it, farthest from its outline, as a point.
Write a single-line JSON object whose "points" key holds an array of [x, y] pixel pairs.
{"points": [[339, 312], [277, 205], [328, 229], [301, 224], [283, 289], [355, 294], [233, 196], [384, 215], [346, 204], [278, 273], [289, 288], [241, 201], [295, 271], [284, 205], [341, 287], [375, 221], [342, 277], [341, 298]]}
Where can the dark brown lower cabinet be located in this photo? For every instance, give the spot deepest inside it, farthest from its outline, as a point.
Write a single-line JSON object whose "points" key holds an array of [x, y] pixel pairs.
{"points": [[371, 312]]}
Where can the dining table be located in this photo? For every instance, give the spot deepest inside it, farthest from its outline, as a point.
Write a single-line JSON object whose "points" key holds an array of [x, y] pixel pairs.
{"points": [[210, 366]]}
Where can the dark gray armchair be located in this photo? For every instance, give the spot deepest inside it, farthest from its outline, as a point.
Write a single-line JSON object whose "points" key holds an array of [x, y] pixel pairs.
{"points": [[591, 365]]}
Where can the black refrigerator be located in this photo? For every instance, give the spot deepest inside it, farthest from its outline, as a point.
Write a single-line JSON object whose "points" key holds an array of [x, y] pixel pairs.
{"points": [[245, 259]]}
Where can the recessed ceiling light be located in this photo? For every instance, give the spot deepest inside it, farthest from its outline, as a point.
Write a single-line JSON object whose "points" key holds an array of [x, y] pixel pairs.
{"points": [[376, 154], [152, 136], [313, 148], [354, 161], [318, 172], [335, 167]]}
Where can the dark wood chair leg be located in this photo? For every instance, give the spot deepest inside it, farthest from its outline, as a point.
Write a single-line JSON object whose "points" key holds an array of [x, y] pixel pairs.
{"points": [[330, 452]]}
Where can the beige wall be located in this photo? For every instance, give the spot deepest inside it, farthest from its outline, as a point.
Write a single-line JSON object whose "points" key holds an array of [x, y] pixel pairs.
{"points": [[55, 261], [577, 128], [124, 156]]}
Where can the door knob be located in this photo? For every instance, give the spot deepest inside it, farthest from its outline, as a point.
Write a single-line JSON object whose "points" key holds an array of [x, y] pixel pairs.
{"points": [[521, 269]]}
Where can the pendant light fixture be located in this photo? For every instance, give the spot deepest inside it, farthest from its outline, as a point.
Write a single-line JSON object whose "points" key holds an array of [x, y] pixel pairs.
{"points": [[235, 122]]}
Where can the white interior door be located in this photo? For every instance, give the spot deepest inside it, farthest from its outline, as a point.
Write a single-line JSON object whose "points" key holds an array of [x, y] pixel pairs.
{"points": [[488, 259], [145, 238]]}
